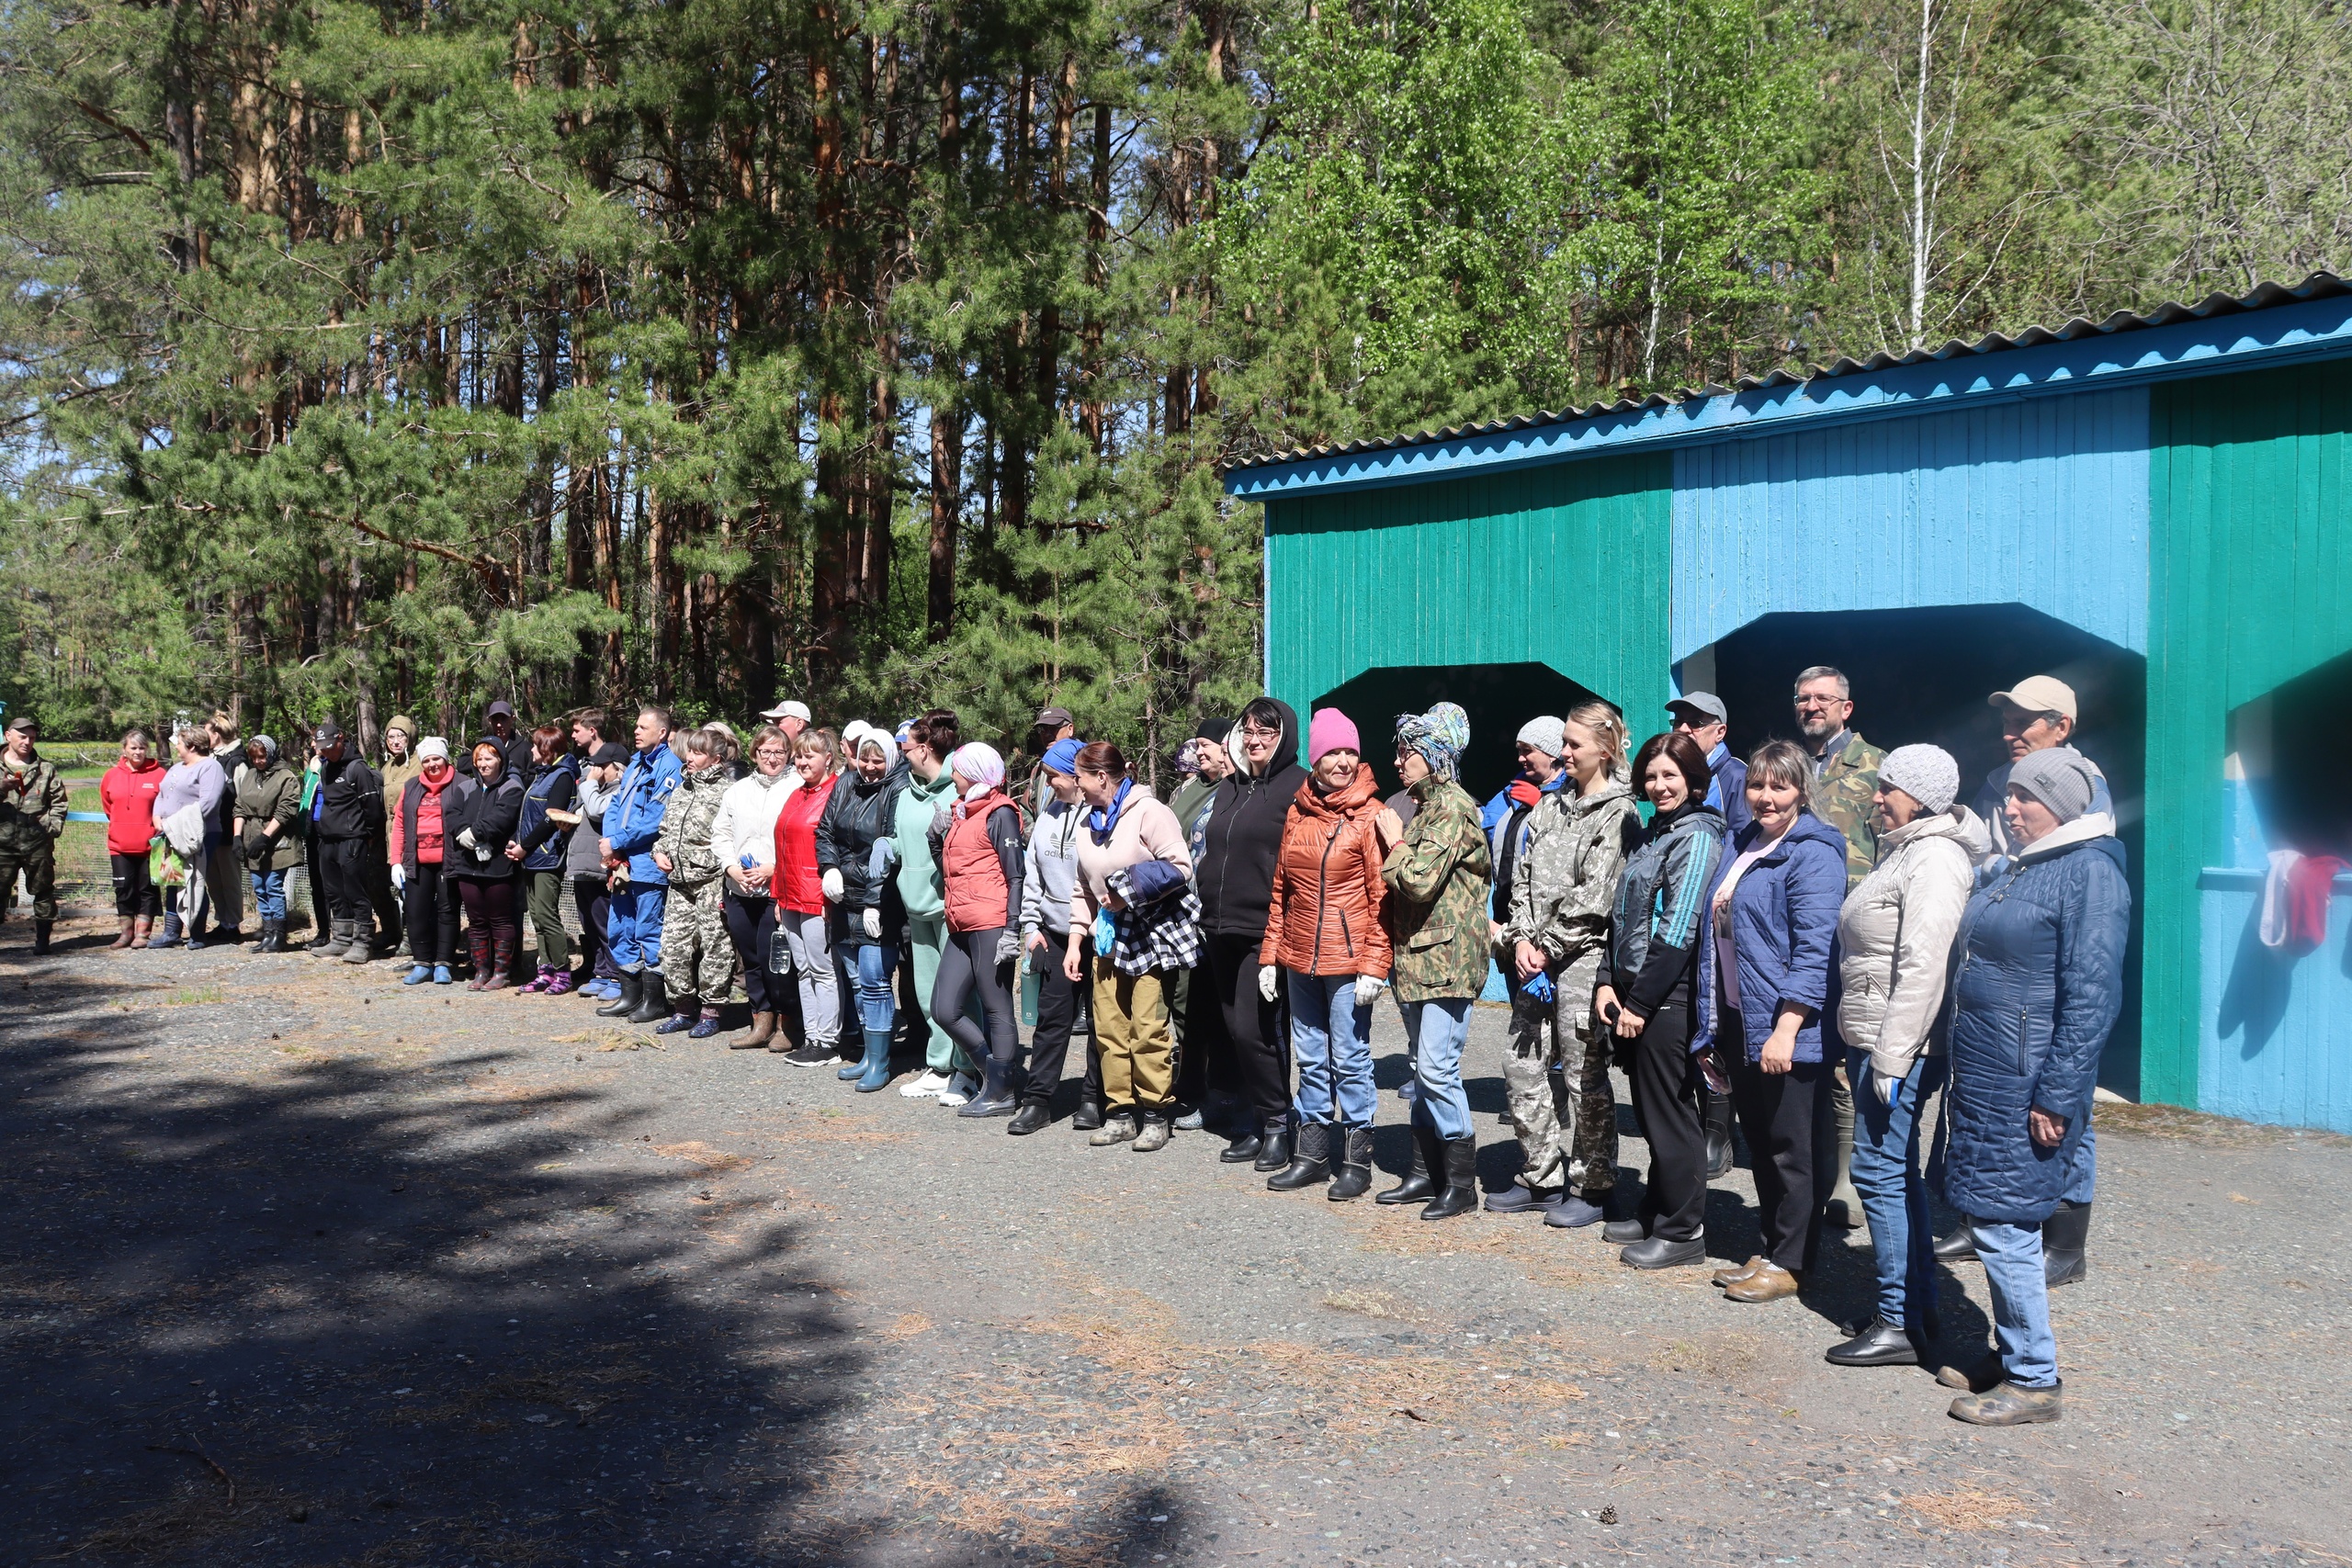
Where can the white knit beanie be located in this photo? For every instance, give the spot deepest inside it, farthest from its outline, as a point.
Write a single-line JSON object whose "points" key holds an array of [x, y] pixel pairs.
{"points": [[1925, 773], [1544, 733]]}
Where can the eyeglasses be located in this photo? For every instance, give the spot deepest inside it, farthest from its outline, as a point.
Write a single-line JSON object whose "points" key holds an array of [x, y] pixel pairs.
{"points": [[1251, 732]]}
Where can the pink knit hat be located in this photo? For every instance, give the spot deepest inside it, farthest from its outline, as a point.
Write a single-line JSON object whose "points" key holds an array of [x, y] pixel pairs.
{"points": [[1330, 730]]}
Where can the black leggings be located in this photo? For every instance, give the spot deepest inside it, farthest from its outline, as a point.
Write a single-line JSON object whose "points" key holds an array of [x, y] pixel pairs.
{"points": [[968, 964], [751, 926], [1235, 1043], [432, 915], [1666, 1102], [135, 893]]}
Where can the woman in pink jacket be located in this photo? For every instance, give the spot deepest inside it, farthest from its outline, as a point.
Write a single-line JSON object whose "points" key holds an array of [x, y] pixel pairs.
{"points": [[1125, 826]]}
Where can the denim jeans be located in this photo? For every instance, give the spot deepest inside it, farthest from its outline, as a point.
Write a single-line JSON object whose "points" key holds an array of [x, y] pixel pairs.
{"points": [[269, 894], [1436, 1031], [1894, 1195], [1330, 1037], [876, 1005], [2013, 1272], [2081, 1169]]}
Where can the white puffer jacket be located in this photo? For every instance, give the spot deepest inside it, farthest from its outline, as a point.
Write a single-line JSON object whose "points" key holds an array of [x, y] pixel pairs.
{"points": [[1895, 933]]}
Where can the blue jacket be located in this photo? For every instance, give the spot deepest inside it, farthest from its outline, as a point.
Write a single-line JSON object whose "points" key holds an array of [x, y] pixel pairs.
{"points": [[634, 818], [544, 843], [1503, 849], [2037, 982], [1728, 793], [1783, 919]]}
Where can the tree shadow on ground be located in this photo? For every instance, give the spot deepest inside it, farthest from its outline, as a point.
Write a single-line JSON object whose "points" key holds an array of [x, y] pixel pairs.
{"points": [[358, 1312]]}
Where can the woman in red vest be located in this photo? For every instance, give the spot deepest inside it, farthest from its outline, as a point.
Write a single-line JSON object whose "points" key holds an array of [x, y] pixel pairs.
{"points": [[979, 845]]}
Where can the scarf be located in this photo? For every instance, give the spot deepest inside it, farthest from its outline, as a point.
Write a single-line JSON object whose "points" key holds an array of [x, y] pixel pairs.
{"points": [[1100, 825], [1440, 735], [977, 761]]}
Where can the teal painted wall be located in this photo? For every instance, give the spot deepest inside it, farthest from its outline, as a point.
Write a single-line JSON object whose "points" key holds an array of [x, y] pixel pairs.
{"points": [[2250, 585], [1564, 564]]}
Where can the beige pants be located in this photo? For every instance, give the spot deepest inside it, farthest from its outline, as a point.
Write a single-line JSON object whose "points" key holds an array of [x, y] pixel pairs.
{"points": [[1131, 1029]]}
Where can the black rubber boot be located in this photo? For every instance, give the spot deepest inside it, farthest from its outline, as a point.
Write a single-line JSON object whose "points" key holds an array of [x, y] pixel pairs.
{"points": [[1273, 1144], [653, 1005], [1355, 1149], [40, 938], [1719, 1151], [273, 936], [1960, 1244], [1420, 1177], [1311, 1164], [1034, 1116], [633, 992], [2064, 1236], [1247, 1144], [1088, 1117], [996, 1095], [1460, 1193]]}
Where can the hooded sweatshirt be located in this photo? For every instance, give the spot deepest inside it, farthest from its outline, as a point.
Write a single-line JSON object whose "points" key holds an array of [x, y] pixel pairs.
{"points": [[127, 796], [1243, 832], [921, 886]]}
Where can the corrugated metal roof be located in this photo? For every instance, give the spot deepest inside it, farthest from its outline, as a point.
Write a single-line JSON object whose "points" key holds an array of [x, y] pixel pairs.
{"points": [[2263, 296]]}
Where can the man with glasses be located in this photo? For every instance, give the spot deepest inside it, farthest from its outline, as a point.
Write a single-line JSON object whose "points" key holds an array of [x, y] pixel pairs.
{"points": [[1844, 768]]}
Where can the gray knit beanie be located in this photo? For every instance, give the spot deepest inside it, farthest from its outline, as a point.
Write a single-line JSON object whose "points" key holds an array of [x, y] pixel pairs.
{"points": [[1544, 733], [1925, 773], [2059, 778]]}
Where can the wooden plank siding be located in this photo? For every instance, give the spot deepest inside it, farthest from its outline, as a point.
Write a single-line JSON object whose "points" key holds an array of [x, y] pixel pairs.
{"points": [[2250, 485], [2040, 502], [1564, 566]]}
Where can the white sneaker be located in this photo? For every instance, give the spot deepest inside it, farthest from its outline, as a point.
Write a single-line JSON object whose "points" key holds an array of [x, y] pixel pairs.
{"points": [[925, 1087], [959, 1090]]}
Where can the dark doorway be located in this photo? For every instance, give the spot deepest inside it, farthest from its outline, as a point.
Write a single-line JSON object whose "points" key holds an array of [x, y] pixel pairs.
{"points": [[2301, 792], [1498, 697], [1922, 676]]}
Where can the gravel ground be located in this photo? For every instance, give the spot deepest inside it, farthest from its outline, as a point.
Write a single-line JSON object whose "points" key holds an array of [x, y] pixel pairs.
{"points": [[300, 1266]]}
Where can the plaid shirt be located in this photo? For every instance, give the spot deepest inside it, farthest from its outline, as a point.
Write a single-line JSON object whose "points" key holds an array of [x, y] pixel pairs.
{"points": [[1161, 935]]}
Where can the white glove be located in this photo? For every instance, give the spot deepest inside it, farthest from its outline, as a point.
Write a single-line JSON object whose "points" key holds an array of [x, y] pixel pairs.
{"points": [[466, 837], [1885, 1085], [833, 886], [1368, 988], [1268, 978], [874, 924], [399, 878], [1008, 948]]}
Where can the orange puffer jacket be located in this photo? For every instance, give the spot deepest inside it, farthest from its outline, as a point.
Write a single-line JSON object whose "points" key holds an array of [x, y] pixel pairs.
{"points": [[1324, 916]]}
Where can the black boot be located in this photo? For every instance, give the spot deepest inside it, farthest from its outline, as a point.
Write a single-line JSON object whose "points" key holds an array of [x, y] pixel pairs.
{"points": [[1355, 1149], [1249, 1142], [272, 937], [1420, 1177], [1034, 1115], [996, 1095], [1273, 1144], [1088, 1117], [2064, 1236], [1960, 1244], [1310, 1165], [653, 1005], [633, 992], [1460, 1193], [40, 938], [1719, 1155]]}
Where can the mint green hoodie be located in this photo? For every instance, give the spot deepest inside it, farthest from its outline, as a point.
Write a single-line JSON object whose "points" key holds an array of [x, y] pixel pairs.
{"points": [[919, 884]]}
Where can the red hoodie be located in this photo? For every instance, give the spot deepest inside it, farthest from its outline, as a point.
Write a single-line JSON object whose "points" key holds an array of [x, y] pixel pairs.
{"points": [[128, 796]]}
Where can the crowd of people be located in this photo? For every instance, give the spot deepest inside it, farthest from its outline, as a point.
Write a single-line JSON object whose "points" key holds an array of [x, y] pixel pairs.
{"points": [[1810, 945]]}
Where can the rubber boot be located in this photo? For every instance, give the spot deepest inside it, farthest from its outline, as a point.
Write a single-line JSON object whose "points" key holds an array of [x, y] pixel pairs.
{"points": [[1844, 1205], [1459, 1194], [540, 981], [504, 948], [143, 933], [998, 1096], [2064, 1236], [1273, 1144], [123, 938], [1959, 1245], [1420, 1177], [653, 1002], [485, 969], [1311, 1164], [877, 1062], [1353, 1147], [1246, 1146], [632, 991], [763, 1031], [272, 937], [338, 943], [40, 938], [1719, 1149]]}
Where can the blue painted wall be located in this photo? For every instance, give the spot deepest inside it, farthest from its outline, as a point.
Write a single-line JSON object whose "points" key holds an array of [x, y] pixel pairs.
{"points": [[2040, 502], [2277, 1044]]}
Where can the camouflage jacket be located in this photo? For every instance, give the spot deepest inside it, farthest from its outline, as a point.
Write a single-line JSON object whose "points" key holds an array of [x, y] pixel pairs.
{"points": [[1438, 880], [1842, 788], [686, 822], [1566, 883], [32, 806]]}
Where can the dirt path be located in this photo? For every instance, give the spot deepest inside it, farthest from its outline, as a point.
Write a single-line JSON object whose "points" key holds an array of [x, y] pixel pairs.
{"points": [[303, 1267]]}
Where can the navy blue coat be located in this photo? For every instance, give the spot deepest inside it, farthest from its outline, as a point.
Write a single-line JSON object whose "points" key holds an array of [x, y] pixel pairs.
{"points": [[2037, 982], [1783, 919], [546, 842]]}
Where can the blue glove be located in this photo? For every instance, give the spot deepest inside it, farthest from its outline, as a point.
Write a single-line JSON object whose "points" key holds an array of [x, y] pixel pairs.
{"points": [[1107, 932], [1540, 986]]}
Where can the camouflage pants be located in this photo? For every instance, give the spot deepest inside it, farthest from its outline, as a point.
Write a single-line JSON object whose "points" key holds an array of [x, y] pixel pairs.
{"points": [[697, 955], [1556, 1076], [37, 866]]}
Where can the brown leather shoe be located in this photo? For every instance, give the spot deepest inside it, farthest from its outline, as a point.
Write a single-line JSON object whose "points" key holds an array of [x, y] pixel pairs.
{"points": [[1768, 1283], [1725, 1276]]}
